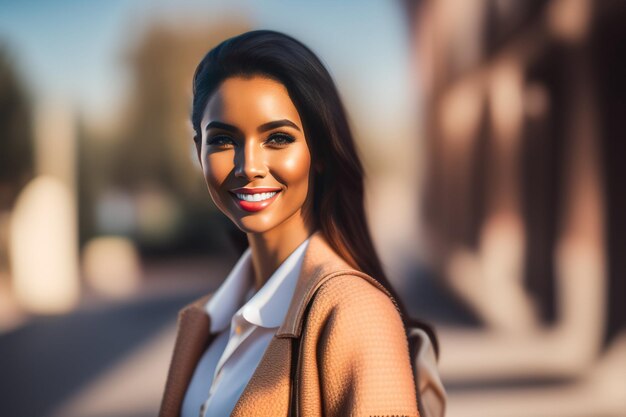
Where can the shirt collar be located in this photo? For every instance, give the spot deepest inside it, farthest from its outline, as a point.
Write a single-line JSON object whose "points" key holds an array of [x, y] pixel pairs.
{"points": [[268, 306]]}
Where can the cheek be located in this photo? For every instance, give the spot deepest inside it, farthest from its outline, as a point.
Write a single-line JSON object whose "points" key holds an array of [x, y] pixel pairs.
{"points": [[217, 166], [292, 168]]}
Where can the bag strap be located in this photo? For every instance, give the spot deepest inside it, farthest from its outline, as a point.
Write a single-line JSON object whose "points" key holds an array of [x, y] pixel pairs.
{"points": [[295, 363]]}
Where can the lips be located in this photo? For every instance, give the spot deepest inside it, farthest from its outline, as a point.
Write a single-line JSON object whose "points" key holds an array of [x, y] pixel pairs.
{"points": [[254, 199]]}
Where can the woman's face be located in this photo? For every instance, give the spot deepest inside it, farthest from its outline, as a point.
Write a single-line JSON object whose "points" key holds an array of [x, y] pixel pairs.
{"points": [[254, 154]]}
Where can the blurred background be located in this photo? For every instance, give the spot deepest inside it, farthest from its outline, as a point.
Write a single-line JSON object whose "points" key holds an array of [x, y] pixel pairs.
{"points": [[492, 133]]}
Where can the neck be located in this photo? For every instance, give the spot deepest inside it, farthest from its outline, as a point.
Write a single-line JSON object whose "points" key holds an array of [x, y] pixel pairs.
{"points": [[271, 248]]}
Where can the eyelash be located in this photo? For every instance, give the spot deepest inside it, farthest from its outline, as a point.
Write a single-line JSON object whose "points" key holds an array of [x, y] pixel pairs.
{"points": [[286, 140]]}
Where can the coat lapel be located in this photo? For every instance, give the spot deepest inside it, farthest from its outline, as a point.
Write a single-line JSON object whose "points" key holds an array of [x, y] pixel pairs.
{"points": [[192, 338], [267, 392]]}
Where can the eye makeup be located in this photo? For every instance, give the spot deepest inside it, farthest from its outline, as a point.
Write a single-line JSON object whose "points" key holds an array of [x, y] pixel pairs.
{"points": [[280, 139], [277, 139]]}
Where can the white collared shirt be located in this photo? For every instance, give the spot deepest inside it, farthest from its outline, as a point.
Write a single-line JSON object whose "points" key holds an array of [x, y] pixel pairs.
{"points": [[227, 365]]}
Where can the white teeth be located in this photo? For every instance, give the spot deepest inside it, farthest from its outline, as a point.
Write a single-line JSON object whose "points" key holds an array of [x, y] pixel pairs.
{"points": [[256, 196]]}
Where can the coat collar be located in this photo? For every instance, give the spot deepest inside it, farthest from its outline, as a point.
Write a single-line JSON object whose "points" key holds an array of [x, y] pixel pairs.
{"points": [[319, 262]]}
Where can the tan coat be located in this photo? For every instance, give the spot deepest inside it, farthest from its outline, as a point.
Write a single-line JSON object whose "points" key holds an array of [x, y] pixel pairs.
{"points": [[354, 350]]}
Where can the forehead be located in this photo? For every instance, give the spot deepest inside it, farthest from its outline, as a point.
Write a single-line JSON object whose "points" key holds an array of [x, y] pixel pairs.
{"points": [[250, 101]]}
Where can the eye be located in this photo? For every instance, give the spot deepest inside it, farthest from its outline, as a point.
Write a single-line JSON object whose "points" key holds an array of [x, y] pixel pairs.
{"points": [[280, 139], [221, 140]]}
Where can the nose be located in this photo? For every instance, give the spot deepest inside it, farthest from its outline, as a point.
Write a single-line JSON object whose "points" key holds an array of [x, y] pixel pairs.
{"points": [[249, 162]]}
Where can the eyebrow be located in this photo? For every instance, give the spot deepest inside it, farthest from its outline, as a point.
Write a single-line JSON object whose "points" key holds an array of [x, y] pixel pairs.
{"points": [[264, 127], [277, 123]]}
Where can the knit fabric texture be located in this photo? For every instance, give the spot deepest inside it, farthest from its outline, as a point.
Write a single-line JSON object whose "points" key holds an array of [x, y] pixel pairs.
{"points": [[355, 357]]}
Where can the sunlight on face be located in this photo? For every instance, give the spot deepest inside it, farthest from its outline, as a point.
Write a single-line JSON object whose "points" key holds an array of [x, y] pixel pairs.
{"points": [[254, 154]]}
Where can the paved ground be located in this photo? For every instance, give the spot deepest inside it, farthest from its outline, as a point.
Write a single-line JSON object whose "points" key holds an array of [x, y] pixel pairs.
{"points": [[49, 364], [46, 361]]}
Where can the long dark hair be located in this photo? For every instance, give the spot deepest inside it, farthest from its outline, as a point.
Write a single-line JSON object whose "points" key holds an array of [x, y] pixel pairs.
{"points": [[338, 186]]}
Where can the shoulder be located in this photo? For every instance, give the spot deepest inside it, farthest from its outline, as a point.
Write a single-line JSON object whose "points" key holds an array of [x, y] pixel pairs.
{"points": [[359, 310], [353, 295], [362, 349]]}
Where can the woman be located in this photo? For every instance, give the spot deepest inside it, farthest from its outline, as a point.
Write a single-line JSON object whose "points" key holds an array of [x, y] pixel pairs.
{"points": [[279, 160]]}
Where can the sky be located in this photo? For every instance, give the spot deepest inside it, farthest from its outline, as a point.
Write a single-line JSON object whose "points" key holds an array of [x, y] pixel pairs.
{"points": [[71, 49]]}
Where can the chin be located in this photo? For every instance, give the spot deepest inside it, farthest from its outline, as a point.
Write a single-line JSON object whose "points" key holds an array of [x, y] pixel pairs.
{"points": [[262, 222], [254, 224]]}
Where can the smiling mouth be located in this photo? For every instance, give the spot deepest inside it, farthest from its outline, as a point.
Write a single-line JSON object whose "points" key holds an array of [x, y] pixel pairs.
{"points": [[253, 202], [256, 196]]}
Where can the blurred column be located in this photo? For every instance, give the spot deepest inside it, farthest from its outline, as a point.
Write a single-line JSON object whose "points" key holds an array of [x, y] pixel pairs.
{"points": [[580, 249], [43, 238], [502, 236]]}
